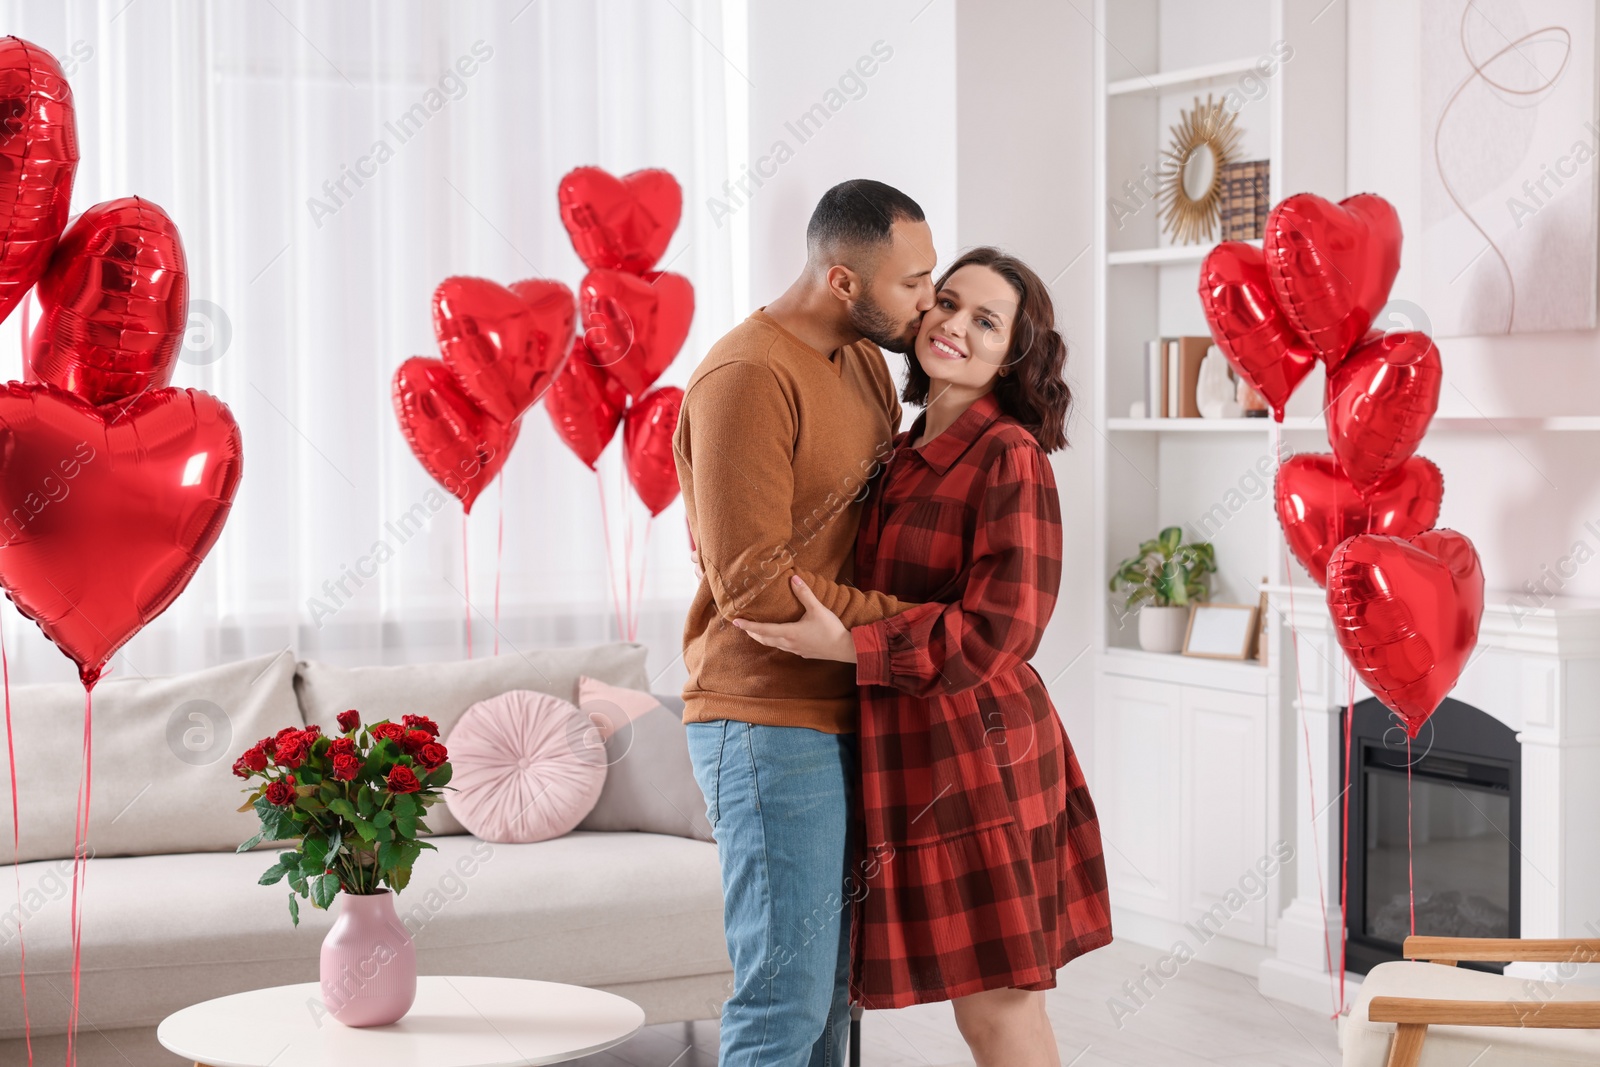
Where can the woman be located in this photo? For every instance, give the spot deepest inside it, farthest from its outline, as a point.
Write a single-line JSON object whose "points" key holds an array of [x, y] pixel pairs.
{"points": [[981, 847]]}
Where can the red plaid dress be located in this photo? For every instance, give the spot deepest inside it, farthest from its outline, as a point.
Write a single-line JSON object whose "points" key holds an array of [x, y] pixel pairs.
{"points": [[981, 864]]}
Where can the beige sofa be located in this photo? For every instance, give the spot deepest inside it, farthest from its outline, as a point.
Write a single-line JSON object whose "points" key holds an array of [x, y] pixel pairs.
{"points": [[172, 915]]}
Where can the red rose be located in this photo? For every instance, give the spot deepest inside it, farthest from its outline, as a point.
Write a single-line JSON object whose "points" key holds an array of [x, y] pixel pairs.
{"points": [[312, 731], [292, 750], [432, 755], [255, 758], [391, 731], [401, 780], [414, 740], [349, 720], [281, 793], [240, 768], [287, 731], [342, 746], [345, 767], [269, 745], [421, 722]]}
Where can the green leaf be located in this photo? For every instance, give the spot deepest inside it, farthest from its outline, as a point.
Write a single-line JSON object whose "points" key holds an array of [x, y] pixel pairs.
{"points": [[250, 844], [406, 825], [405, 804], [294, 909], [297, 881], [364, 828], [409, 853], [440, 776], [1170, 539], [273, 875], [341, 806], [399, 879], [389, 855], [421, 828], [367, 802], [314, 855], [427, 845], [324, 889], [382, 819]]}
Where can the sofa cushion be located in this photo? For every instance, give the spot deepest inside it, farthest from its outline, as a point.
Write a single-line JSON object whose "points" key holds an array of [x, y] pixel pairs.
{"points": [[163, 932], [163, 759], [524, 766], [1457, 1046], [650, 785], [442, 691]]}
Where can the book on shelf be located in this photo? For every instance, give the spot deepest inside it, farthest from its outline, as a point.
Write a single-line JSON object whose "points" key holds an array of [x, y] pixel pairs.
{"points": [[1172, 375], [1245, 204]]}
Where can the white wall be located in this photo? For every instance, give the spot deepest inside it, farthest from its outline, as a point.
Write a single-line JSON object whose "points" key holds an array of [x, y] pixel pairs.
{"points": [[897, 127], [1523, 498], [983, 105], [1025, 137]]}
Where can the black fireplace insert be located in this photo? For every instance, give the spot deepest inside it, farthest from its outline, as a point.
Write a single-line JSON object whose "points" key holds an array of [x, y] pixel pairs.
{"points": [[1466, 820]]}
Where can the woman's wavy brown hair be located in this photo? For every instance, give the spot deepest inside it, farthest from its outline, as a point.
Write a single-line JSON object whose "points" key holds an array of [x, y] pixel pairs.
{"points": [[1033, 391]]}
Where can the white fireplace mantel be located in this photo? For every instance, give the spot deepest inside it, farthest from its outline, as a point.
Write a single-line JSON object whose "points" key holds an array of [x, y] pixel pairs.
{"points": [[1537, 670]]}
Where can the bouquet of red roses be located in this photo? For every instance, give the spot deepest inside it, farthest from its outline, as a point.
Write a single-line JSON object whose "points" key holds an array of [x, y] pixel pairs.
{"points": [[355, 801]]}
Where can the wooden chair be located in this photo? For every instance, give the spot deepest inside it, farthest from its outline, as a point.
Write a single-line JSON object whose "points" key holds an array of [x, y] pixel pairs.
{"points": [[1523, 1012]]}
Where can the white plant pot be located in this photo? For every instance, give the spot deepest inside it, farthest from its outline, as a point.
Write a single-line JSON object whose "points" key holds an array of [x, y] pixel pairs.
{"points": [[1162, 629]]}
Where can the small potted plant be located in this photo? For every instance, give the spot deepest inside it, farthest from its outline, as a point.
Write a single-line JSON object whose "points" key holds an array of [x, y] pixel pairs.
{"points": [[356, 804], [1161, 582]]}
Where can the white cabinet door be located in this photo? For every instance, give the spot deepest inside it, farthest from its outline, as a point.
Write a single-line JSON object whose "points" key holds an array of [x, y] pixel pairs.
{"points": [[1136, 756], [1224, 816]]}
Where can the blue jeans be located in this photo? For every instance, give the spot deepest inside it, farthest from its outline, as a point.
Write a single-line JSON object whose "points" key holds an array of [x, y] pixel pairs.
{"points": [[778, 798]]}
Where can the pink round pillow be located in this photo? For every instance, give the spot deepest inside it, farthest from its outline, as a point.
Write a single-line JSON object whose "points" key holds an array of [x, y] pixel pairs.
{"points": [[527, 767]]}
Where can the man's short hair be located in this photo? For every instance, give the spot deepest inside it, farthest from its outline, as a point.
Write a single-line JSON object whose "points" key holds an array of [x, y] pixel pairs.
{"points": [[858, 215]]}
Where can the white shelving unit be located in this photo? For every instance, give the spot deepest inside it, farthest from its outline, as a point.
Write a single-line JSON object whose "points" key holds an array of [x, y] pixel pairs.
{"points": [[1188, 798]]}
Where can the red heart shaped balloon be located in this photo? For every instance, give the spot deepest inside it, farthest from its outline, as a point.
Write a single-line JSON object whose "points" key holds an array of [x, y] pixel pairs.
{"points": [[585, 404], [1380, 399], [1247, 325], [635, 324], [647, 439], [1331, 266], [114, 304], [38, 159], [620, 223], [503, 345], [1318, 507], [109, 511], [1406, 613], [457, 442]]}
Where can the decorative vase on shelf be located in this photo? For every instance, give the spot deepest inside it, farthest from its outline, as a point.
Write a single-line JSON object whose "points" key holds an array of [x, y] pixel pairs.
{"points": [[369, 964], [1214, 393], [1162, 629]]}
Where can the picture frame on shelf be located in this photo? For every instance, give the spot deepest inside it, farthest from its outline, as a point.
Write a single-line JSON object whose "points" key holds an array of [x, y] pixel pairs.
{"points": [[1221, 631]]}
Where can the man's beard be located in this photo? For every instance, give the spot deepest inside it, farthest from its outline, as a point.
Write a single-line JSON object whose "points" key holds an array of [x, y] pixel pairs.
{"points": [[876, 326]]}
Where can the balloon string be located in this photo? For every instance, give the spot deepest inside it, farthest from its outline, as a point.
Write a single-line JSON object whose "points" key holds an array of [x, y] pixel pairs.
{"points": [[80, 871], [1344, 845], [466, 582], [627, 548], [499, 559], [644, 560], [1411, 870], [16, 848], [611, 563], [1305, 730]]}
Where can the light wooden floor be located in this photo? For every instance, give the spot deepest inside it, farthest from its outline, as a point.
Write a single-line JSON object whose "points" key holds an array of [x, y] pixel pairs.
{"points": [[1203, 1016]]}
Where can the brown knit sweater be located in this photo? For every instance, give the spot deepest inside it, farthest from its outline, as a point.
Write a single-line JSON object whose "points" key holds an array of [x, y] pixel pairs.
{"points": [[775, 446]]}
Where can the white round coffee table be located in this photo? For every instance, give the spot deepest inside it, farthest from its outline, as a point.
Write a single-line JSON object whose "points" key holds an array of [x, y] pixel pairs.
{"points": [[455, 1022]]}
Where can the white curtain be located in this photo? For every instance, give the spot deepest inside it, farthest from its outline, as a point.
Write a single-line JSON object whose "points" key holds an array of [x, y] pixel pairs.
{"points": [[245, 121]]}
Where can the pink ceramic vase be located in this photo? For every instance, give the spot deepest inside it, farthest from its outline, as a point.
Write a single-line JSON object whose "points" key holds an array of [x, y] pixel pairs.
{"points": [[369, 965]]}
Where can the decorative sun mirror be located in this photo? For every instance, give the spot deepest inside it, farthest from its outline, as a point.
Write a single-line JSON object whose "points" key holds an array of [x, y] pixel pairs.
{"points": [[1203, 142]]}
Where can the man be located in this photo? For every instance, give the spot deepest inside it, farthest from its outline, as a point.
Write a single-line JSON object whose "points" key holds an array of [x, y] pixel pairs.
{"points": [[783, 424]]}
